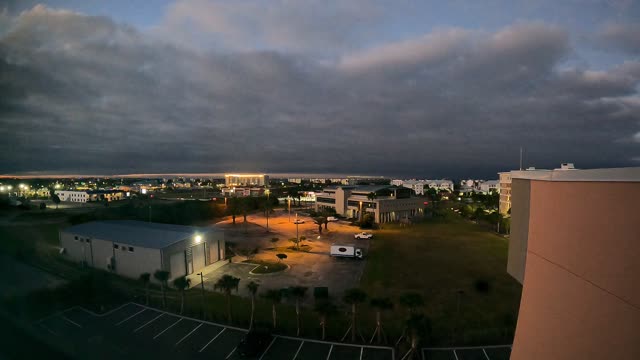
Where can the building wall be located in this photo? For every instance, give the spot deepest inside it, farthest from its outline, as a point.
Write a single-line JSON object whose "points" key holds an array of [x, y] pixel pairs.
{"points": [[72, 196], [505, 193], [211, 238], [519, 229], [580, 297]]}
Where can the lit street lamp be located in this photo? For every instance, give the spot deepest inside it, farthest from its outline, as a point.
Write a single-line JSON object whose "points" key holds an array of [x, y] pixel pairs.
{"points": [[289, 199], [268, 207], [202, 287]]}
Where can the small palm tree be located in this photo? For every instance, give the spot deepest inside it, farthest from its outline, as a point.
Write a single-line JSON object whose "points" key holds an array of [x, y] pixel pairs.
{"points": [[227, 283], [298, 293], [162, 276], [419, 328], [353, 297], [182, 283], [411, 301], [146, 279], [275, 296], [380, 304], [325, 309], [253, 290]]}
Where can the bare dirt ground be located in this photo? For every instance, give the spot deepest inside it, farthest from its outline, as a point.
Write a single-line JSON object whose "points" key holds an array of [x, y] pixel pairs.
{"points": [[315, 268]]}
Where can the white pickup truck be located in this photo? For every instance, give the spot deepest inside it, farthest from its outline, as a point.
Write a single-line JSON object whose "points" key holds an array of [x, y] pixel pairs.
{"points": [[363, 235], [332, 218]]}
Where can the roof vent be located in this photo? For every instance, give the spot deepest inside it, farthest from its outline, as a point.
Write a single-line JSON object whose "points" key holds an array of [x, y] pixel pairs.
{"points": [[567, 166]]}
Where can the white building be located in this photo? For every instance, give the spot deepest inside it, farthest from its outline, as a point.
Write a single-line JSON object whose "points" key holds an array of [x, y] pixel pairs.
{"points": [[89, 195], [387, 203], [440, 184], [489, 186], [130, 248]]}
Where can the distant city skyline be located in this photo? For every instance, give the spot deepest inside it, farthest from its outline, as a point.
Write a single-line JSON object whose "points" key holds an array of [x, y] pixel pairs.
{"points": [[444, 89]]}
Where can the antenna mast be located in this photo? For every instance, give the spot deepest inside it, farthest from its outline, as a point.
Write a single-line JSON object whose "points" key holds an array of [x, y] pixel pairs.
{"points": [[520, 157]]}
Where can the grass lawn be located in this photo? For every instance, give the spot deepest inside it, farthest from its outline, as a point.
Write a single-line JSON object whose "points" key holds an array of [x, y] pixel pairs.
{"points": [[438, 258]]}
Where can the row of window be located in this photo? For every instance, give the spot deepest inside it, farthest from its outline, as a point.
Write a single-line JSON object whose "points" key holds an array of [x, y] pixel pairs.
{"points": [[124, 248], [82, 239]]}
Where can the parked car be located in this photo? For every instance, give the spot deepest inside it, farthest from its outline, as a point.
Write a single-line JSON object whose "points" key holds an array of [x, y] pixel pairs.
{"points": [[332, 218], [298, 221], [363, 235], [254, 343]]}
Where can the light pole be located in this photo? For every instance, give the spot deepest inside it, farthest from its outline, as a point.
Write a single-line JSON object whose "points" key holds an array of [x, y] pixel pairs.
{"points": [[268, 208], [297, 237], [202, 286], [289, 200]]}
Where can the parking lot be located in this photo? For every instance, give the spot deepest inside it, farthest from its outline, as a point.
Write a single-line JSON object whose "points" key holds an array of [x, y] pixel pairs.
{"points": [[134, 330]]}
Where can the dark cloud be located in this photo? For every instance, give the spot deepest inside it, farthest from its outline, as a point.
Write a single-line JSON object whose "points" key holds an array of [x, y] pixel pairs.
{"points": [[83, 93], [620, 37]]}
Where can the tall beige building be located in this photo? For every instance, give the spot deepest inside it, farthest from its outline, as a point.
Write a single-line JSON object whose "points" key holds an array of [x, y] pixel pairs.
{"points": [[575, 247], [246, 180]]}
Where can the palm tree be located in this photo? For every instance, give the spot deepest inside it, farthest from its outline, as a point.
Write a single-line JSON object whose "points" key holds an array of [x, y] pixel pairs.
{"points": [[146, 279], [410, 300], [325, 309], [275, 296], [253, 290], [380, 304], [353, 297], [298, 293], [182, 283], [227, 283], [419, 328], [162, 276]]}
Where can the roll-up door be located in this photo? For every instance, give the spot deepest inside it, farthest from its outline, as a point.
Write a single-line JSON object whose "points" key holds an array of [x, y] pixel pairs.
{"points": [[198, 257], [178, 266]]}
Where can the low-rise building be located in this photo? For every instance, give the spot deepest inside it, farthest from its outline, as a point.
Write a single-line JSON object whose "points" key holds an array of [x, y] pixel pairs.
{"points": [[231, 180], [130, 248], [89, 195], [489, 186], [387, 203]]}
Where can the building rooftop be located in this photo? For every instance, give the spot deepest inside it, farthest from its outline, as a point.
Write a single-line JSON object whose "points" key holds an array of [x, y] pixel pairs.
{"points": [[360, 188], [629, 174], [137, 233]]}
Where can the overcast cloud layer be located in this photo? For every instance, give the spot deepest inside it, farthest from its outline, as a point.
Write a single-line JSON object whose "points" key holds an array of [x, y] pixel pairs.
{"points": [[87, 94]]}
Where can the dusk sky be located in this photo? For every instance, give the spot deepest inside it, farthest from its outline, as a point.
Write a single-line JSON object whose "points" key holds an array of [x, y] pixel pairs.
{"points": [[398, 88]]}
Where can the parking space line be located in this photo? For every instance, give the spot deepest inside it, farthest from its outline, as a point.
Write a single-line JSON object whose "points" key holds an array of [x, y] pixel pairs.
{"points": [[130, 317], [329, 354], [210, 341], [149, 322], [186, 336], [485, 354], [455, 354], [47, 328], [170, 326], [299, 347], [361, 351], [269, 347], [71, 321], [105, 314], [231, 353]]}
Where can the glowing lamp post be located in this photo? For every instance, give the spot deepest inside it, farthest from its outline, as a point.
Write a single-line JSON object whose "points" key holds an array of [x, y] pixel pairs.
{"points": [[268, 207]]}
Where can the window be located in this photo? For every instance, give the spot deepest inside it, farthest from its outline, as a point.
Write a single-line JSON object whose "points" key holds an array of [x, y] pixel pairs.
{"points": [[130, 249], [124, 248], [115, 246], [88, 240], [76, 238]]}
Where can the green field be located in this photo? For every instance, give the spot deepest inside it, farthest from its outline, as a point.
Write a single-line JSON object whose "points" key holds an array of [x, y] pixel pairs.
{"points": [[438, 258]]}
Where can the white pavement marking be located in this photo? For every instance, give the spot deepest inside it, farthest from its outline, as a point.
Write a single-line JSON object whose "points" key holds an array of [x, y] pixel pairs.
{"points": [[231, 353], [170, 326], [186, 336], [299, 347], [130, 317], [485, 354], [269, 347], [148, 322], [454, 354], [329, 354], [71, 321], [361, 351], [47, 328], [210, 341]]}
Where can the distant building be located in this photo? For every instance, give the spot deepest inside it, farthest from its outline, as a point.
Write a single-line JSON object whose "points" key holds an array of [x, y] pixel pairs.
{"points": [[418, 186], [574, 247], [89, 195], [242, 191], [489, 186], [130, 248], [390, 203], [231, 180]]}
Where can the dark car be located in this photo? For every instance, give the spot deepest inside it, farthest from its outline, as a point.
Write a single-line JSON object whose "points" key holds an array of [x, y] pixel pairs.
{"points": [[254, 343]]}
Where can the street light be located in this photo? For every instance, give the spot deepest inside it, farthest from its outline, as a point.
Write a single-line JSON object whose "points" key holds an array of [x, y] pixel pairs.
{"points": [[289, 199], [202, 286], [268, 207]]}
